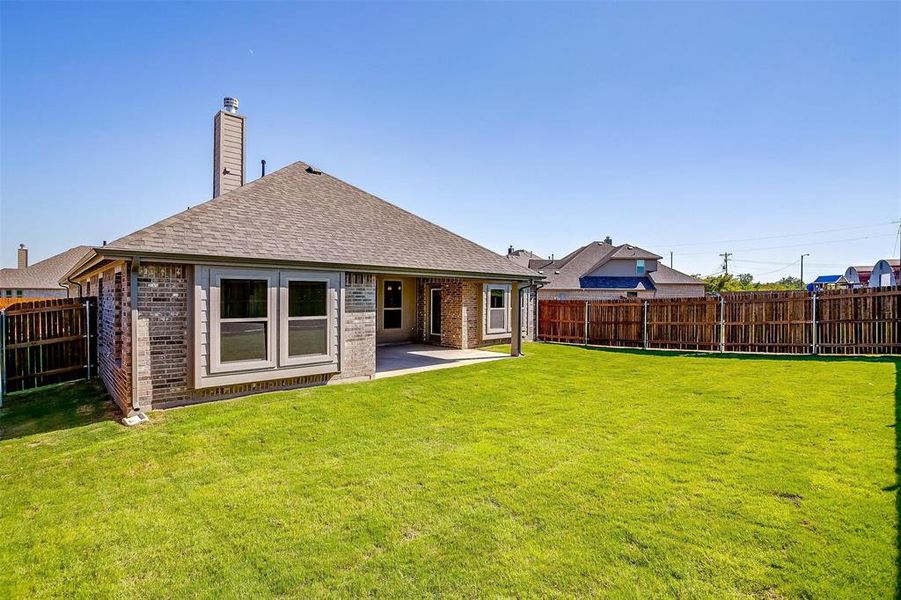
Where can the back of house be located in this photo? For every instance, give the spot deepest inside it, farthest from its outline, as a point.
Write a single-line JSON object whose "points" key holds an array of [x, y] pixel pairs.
{"points": [[287, 281]]}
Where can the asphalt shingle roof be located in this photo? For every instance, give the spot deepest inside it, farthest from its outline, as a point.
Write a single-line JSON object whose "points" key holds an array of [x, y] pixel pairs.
{"points": [[43, 275], [666, 276], [297, 214], [569, 272]]}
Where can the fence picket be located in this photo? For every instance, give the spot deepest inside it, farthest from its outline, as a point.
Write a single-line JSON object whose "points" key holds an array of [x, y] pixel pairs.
{"points": [[858, 321], [47, 341]]}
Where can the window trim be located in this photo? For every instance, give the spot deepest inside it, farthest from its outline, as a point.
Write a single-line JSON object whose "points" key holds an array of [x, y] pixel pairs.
{"points": [[432, 311], [215, 363], [399, 309], [488, 331], [284, 360]]}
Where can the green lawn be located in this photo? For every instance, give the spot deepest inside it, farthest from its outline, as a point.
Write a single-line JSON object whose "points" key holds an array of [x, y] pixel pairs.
{"points": [[568, 472]]}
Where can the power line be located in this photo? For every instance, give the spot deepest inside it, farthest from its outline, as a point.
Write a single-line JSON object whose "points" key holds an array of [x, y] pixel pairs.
{"points": [[788, 266], [775, 237], [804, 245], [777, 262]]}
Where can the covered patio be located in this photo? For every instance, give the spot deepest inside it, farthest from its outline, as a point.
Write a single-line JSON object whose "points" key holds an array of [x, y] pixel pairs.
{"points": [[402, 359]]}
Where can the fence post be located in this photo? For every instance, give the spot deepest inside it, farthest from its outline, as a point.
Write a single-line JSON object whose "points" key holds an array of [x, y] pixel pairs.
{"points": [[644, 326], [722, 323], [813, 324], [586, 323]]}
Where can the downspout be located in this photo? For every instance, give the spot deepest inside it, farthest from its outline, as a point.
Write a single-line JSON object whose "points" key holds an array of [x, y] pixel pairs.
{"points": [[69, 280], [133, 295]]}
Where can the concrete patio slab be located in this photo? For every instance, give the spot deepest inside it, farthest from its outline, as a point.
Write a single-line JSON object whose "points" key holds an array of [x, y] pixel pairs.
{"points": [[402, 359]]}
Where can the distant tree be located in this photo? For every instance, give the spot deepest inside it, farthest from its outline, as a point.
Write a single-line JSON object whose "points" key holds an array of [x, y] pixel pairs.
{"points": [[791, 283], [717, 284]]}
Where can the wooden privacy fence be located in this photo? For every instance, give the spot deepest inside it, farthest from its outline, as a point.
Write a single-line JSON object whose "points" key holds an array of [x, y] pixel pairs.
{"points": [[859, 321], [47, 341]]}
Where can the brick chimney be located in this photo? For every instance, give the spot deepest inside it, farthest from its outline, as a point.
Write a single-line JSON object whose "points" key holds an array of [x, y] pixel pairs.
{"points": [[22, 256], [228, 148]]}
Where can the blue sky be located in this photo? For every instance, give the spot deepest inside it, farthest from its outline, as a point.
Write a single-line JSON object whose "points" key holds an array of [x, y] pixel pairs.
{"points": [[677, 127]]}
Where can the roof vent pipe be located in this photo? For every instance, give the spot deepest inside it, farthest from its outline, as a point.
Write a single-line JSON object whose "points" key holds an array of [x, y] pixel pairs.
{"points": [[263, 168], [230, 104]]}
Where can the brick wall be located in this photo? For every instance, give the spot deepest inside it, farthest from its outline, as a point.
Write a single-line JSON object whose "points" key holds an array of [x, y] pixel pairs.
{"points": [[451, 293], [680, 291], [462, 313], [528, 316], [162, 348], [358, 353], [113, 331]]}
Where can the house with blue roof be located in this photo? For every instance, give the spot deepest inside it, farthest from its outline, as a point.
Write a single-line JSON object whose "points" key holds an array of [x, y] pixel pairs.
{"points": [[827, 282], [603, 271]]}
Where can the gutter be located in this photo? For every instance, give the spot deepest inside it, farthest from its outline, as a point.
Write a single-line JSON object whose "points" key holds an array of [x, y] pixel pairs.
{"points": [[70, 282], [113, 254]]}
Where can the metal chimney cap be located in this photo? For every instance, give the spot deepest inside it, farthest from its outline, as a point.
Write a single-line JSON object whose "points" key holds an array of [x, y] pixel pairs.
{"points": [[230, 104]]}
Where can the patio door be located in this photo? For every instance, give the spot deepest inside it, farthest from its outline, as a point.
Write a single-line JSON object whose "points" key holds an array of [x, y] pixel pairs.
{"points": [[435, 312]]}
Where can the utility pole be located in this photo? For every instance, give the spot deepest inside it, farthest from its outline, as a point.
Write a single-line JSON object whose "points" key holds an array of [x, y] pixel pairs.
{"points": [[726, 256], [802, 267], [899, 237]]}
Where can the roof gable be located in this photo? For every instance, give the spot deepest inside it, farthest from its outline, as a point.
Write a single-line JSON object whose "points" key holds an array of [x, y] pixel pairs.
{"points": [[300, 215]]}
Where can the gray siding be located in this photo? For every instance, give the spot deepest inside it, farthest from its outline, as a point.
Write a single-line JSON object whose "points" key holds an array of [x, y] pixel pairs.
{"points": [[623, 267]]}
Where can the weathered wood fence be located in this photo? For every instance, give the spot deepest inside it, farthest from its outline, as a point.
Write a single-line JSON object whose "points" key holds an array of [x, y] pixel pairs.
{"points": [[860, 321], [47, 341]]}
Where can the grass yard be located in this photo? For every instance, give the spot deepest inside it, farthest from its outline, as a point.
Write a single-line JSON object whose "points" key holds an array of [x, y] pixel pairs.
{"points": [[568, 472]]}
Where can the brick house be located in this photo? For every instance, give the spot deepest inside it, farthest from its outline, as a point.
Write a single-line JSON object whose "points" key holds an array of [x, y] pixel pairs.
{"points": [[602, 270], [287, 281]]}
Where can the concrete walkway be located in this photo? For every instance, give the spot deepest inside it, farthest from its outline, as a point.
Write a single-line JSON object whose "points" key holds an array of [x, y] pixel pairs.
{"points": [[402, 359]]}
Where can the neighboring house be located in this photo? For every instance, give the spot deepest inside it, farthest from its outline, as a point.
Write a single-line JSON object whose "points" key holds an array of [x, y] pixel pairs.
{"points": [[522, 257], [601, 270], [827, 282], [885, 273], [290, 280], [40, 280]]}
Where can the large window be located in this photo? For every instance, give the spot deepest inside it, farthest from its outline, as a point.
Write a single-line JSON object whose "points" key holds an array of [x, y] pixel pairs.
{"points": [[242, 314], [307, 318], [244, 320], [257, 324], [497, 309], [392, 310]]}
